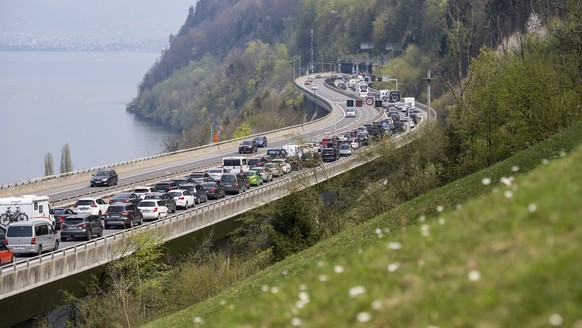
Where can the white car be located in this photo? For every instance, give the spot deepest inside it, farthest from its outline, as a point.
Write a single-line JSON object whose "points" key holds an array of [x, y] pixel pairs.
{"points": [[142, 191], [91, 205], [350, 112], [345, 150], [217, 172], [183, 198], [284, 165], [355, 144], [152, 209]]}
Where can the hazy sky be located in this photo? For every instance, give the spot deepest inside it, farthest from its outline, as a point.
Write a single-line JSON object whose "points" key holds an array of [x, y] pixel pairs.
{"points": [[102, 20]]}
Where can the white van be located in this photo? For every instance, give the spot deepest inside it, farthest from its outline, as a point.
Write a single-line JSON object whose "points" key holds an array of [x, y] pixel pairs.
{"points": [[237, 164], [33, 236], [35, 207], [293, 150]]}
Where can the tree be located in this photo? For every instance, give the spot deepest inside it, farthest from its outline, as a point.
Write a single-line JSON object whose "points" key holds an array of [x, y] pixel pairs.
{"points": [[66, 162], [49, 165]]}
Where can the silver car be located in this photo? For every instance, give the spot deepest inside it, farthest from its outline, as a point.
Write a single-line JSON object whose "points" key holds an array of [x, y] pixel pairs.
{"points": [[264, 172]]}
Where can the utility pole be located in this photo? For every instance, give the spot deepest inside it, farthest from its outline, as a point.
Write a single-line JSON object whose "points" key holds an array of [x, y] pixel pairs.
{"points": [[428, 78]]}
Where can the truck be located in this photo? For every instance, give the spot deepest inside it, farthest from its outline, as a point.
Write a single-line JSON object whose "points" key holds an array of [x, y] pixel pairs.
{"points": [[409, 102], [23, 208]]}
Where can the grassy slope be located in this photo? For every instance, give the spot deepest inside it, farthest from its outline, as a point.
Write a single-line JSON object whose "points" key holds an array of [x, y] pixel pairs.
{"points": [[486, 260]]}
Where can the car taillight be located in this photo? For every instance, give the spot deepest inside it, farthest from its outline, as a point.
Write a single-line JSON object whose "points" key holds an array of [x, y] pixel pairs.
{"points": [[106, 213], [33, 241], [181, 198], [110, 201], [125, 213], [212, 190], [82, 225], [61, 219], [126, 201], [63, 226], [155, 209]]}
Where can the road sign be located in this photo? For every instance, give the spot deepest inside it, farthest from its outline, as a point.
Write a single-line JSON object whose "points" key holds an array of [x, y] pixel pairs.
{"points": [[215, 137], [350, 103], [369, 101], [358, 103]]}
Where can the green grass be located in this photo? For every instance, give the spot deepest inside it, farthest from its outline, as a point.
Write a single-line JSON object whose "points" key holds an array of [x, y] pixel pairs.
{"points": [[486, 260]]}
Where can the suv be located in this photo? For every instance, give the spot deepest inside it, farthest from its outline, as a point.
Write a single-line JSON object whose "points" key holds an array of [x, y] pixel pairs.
{"points": [[233, 183], [329, 154], [122, 214], [104, 178], [33, 236], [248, 146], [83, 225], [90, 205], [277, 153], [198, 191], [261, 141]]}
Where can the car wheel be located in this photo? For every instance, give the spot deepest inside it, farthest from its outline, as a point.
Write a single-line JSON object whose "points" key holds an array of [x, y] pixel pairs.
{"points": [[100, 233], [106, 226], [99, 214], [109, 183], [160, 216], [56, 245], [130, 224], [11, 259], [92, 185], [39, 250], [140, 221], [63, 238]]}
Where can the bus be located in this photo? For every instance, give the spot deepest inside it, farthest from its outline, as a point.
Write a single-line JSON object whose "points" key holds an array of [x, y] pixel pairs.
{"points": [[237, 164]]}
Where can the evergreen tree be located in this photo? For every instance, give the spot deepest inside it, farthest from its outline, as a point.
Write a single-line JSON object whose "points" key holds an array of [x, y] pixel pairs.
{"points": [[66, 162], [49, 165]]}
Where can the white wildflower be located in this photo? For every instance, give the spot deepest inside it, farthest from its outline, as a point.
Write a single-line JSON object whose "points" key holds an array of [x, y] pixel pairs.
{"points": [[532, 207], [556, 319], [474, 275], [393, 266], [338, 269], [357, 290], [394, 245], [364, 316], [486, 181]]}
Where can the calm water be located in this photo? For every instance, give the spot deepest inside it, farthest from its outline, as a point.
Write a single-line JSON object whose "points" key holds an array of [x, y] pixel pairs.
{"points": [[48, 99]]}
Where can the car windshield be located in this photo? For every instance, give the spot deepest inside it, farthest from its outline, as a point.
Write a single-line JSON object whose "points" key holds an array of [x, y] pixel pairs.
{"points": [[247, 143], [249, 173], [258, 170], [102, 173], [25, 231], [121, 196], [141, 190], [197, 175], [85, 202], [273, 152], [175, 194], [116, 209], [215, 171], [208, 185], [58, 210], [228, 178], [147, 204]]}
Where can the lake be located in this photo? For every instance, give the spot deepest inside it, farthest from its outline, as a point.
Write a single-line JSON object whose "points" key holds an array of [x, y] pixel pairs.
{"points": [[49, 99]]}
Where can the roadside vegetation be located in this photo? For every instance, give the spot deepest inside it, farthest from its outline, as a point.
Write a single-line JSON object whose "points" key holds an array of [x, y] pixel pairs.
{"points": [[461, 223]]}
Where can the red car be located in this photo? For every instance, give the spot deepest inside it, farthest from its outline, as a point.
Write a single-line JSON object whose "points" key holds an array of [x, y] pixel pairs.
{"points": [[6, 255]]}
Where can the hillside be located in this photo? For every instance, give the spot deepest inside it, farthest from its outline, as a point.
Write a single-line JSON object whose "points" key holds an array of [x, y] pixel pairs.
{"points": [[499, 248]]}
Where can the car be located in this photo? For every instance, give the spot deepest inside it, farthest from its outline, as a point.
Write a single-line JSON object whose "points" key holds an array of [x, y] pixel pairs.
{"points": [[255, 178], [355, 143], [165, 186], [286, 167], [6, 254], [125, 197], [142, 191], [199, 177], [329, 154], [216, 172], [184, 180], [91, 205], [345, 149], [183, 198], [275, 168], [264, 172], [165, 198], [350, 112], [233, 183], [104, 178], [277, 153], [257, 161], [60, 214], [213, 190], [153, 209], [261, 141], [33, 236], [197, 190], [125, 215], [248, 146], [81, 225]]}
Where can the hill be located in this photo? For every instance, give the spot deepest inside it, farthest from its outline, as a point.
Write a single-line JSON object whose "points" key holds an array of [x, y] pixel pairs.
{"points": [[498, 248]]}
